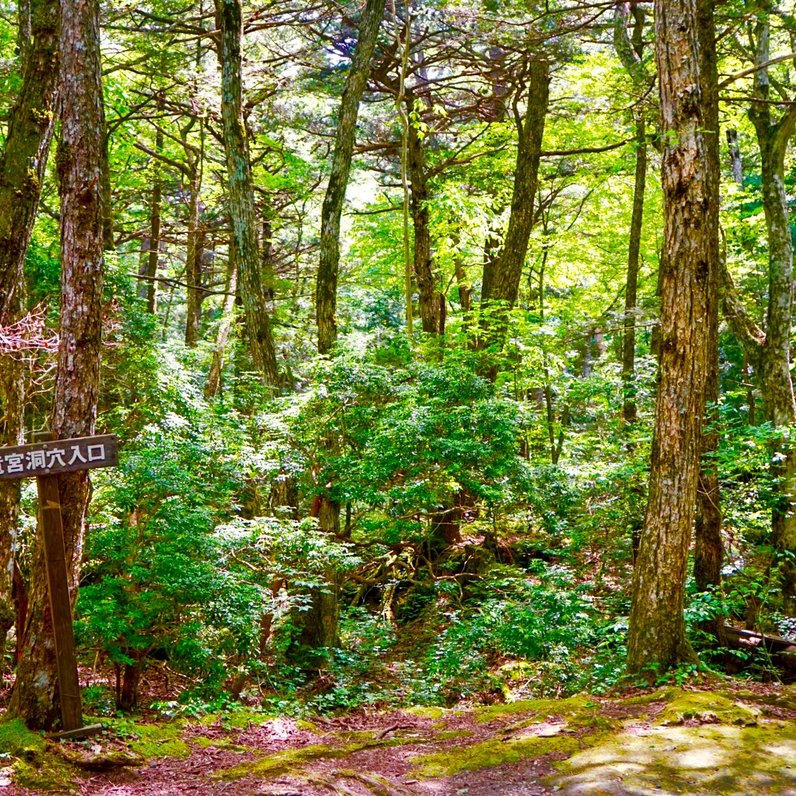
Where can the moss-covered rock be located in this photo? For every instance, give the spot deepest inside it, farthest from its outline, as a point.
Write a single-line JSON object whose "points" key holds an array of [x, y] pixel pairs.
{"points": [[18, 741], [707, 707], [578, 711], [700, 742], [50, 773], [30, 765]]}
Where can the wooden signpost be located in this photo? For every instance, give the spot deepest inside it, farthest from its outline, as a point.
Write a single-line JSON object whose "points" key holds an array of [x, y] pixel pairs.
{"points": [[45, 461]]}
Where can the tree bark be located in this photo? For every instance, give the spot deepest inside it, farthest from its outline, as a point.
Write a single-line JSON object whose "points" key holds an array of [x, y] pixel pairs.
{"points": [[332, 210], [222, 338], [153, 254], [736, 162], [22, 167], [629, 413], [80, 164], [431, 301], [631, 52], [241, 192], [193, 255], [502, 274], [708, 545], [656, 638], [769, 351]]}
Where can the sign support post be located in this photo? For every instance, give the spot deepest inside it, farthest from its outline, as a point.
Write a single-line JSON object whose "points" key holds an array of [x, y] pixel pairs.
{"points": [[44, 461], [60, 602]]}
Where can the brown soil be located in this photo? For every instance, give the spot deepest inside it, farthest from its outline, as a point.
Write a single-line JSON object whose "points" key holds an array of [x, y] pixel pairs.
{"points": [[376, 754]]}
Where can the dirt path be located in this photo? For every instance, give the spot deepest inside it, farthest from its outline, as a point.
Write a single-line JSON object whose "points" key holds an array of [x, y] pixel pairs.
{"points": [[667, 742]]}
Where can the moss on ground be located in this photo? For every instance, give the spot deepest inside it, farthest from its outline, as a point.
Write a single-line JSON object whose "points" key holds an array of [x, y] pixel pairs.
{"points": [[17, 740], [161, 740], [289, 760], [492, 753], [578, 710], [49, 773], [427, 712], [203, 742]]}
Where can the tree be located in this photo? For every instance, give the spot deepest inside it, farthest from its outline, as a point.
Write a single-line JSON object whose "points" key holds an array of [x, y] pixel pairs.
{"points": [[685, 57], [80, 163], [631, 53], [22, 170], [345, 137], [241, 191], [768, 348], [502, 273]]}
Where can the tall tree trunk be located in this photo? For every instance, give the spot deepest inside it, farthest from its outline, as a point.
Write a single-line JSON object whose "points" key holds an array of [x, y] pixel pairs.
{"points": [[630, 50], [153, 254], [193, 254], [30, 129], [502, 274], [241, 191], [319, 624], [12, 405], [227, 317], [656, 637], [629, 413], [80, 164], [463, 285], [736, 162], [345, 137], [708, 545], [771, 351], [22, 167], [431, 301]]}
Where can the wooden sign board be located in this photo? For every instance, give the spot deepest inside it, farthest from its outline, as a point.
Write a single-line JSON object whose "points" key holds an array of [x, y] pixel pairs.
{"points": [[59, 456], [45, 461]]}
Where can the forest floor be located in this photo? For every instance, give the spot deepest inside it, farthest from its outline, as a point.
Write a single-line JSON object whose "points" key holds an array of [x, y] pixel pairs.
{"points": [[670, 741]]}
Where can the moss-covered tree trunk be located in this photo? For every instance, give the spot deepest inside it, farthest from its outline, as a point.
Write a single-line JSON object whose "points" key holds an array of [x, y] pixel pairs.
{"points": [[769, 350], [501, 281], [775, 366], [345, 137], [631, 52], [80, 165], [656, 638], [155, 220], [22, 166], [213, 385], [431, 301], [708, 544], [194, 251], [240, 186]]}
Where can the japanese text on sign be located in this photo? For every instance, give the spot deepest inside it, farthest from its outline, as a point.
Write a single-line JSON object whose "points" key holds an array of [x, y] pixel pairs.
{"points": [[59, 456]]}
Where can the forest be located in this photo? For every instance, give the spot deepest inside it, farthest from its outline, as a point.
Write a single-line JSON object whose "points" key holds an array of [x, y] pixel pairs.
{"points": [[448, 351]]}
